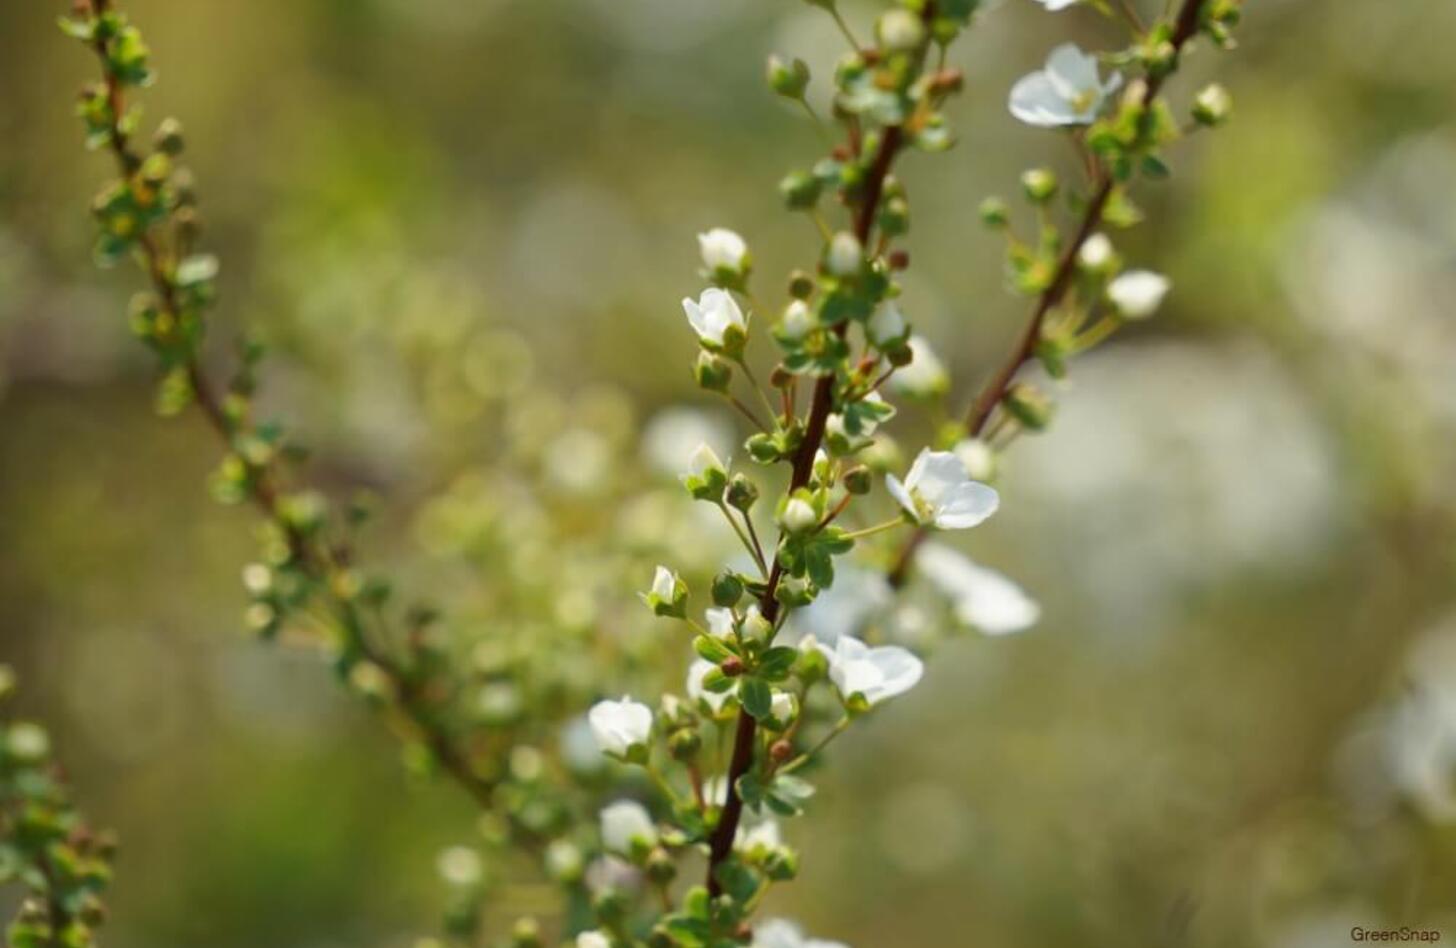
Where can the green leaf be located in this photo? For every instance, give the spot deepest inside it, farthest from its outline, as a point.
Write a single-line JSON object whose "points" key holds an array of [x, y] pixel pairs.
{"points": [[737, 880], [756, 696], [774, 665], [711, 649]]}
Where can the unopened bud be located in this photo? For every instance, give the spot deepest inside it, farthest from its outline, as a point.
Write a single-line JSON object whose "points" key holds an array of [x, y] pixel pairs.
{"points": [[1029, 405], [1040, 185], [788, 79]]}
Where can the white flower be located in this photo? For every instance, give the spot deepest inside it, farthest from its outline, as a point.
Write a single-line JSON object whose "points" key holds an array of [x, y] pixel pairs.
{"points": [[1137, 294], [704, 461], [877, 673], [924, 376], [783, 707], [697, 671], [620, 725], [765, 834], [720, 622], [799, 516], [887, 325], [857, 594], [900, 30], [595, 938], [1067, 92], [779, 933], [1055, 5], [722, 249], [938, 493], [983, 598], [674, 432], [797, 321], [625, 821], [845, 255], [755, 628], [714, 314], [1096, 252], [978, 457], [664, 583], [460, 866]]}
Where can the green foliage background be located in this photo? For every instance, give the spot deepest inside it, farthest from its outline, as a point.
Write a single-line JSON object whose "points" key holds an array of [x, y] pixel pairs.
{"points": [[462, 225]]}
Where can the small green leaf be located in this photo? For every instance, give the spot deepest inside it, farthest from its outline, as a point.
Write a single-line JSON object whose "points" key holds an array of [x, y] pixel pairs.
{"points": [[756, 695]]}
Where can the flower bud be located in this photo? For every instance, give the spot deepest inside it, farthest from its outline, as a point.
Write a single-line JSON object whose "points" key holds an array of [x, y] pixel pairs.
{"points": [[858, 480], [727, 589], [526, 933], [1040, 185], [781, 864], [994, 213], [788, 79], [742, 493], [1028, 405], [762, 448], [900, 30], [801, 285], [684, 744], [978, 457], [1137, 294], [660, 867], [725, 255], [1212, 105], [800, 190], [798, 516], [797, 321], [732, 666], [844, 256], [712, 372], [755, 628], [781, 750], [168, 138], [1096, 254]]}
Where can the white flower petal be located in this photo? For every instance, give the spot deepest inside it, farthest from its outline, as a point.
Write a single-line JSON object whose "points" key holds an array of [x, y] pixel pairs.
{"points": [[966, 505]]}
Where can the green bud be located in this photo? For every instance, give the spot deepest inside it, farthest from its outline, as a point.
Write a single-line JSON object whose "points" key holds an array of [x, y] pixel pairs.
{"points": [[1040, 185], [762, 447], [788, 79], [742, 493], [858, 480], [526, 933], [781, 864], [684, 744], [168, 138], [994, 213], [727, 589], [801, 285], [800, 191], [1212, 105], [895, 217], [712, 372], [660, 867], [1029, 405]]}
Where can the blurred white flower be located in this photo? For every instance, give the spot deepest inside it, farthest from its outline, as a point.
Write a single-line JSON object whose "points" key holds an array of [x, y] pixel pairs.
{"points": [[900, 29], [1095, 253], [720, 622], [620, 725], [596, 938], [797, 321], [461, 866], [1058, 4], [857, 594], [626, 821], [765, 833], [887, 325], [664, 584], [783, 707], [671, 434], [877, 673], [714, 314], [705, 460], [780, 933], [1068, 91], [938, 493], [696, 672], [1137, 294], [723, 249], [924, 376], [845, 255], [978, 457], [982, 597]]}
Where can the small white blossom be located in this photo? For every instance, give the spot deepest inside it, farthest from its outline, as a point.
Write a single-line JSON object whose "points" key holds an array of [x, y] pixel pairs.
{"points": [[783, 707], [938, 493], [619, 726], [1095, 253], [887, 325], [1068, 91], [982, 597], [845, 255], [720, 622], [596, 938], [876, 673], [978, 457], [900, 29], [763, 834], [723, 249], [925, 376], [779, 933], [625, 821], [703, 462], [1137, 294], [1055, 5], [714, 314], [755, 628], [699, 670], [797, 321], [461, 866], [664, 583], [799, 516]]}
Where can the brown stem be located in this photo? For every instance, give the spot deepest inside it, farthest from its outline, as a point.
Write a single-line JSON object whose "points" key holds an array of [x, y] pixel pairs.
{"points": [[1184, 29], [721, 844], [317, 559]]}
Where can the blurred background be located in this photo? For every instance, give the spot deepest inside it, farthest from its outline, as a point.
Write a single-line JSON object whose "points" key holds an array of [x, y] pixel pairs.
{"points": [[464, 226]]}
